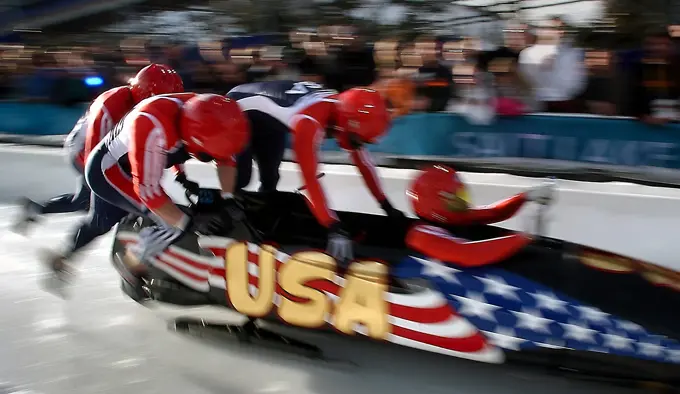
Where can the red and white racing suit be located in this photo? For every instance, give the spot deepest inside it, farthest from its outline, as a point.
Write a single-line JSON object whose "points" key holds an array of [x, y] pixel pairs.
{"points": [[437, 243], [310, 127], [105, 112], [132, 159]]}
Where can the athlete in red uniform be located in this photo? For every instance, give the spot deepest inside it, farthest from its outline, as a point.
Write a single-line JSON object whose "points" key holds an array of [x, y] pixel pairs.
{"points": [[440, 199], [355, 117], [104, 113], [165, 131], [310, 112]]}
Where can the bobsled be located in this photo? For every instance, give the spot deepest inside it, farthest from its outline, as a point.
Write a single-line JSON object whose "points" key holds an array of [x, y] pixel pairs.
{"points": [[552, 303]]}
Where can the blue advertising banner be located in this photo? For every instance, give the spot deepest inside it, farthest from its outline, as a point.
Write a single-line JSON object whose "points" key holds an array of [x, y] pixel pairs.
{"points": [[38, 119], [565, 138], [584, 139]]}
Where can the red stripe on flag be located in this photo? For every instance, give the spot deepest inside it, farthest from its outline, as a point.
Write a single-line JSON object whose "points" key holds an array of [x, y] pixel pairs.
{"points": [[218, 252], [221, 272], [182, 271], [323, 285], [473, 343], [254, 279], [188, 261], [421, 315]]}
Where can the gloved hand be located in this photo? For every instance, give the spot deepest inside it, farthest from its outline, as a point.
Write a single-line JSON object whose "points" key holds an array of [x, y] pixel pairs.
{"points": [[191, 186], [394, 214], [154, 240], [339, 244], [542, 194], [230, 212]]}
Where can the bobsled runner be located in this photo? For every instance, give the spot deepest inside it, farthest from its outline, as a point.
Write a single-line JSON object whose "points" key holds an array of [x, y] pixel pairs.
{"points": [[553, 303]]}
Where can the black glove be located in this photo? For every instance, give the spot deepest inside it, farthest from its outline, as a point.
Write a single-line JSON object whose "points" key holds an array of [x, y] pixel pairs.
{"points": [[230, 212], [191, 186], [339, 244], [393, 213]]}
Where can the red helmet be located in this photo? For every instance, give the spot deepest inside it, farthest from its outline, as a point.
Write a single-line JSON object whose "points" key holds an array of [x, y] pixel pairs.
{"points": [[155, 79], [438, 195], [362, 115], [213, 127]]}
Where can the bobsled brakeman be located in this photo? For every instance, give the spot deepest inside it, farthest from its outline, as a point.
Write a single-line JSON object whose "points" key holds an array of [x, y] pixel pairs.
{"points": [[543, 301]]}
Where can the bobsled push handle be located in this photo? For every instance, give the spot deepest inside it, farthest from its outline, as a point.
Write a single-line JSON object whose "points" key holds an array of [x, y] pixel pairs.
{"points": [[542, 210], [304, 187]]}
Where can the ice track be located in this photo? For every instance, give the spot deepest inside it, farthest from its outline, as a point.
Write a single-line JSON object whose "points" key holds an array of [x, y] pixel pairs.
{"points": [[101, 342]]}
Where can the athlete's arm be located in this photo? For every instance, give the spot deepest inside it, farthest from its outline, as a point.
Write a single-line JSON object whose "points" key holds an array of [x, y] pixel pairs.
{"points": [[362, 159], [494, 213], [226, 174], [498, 211], [148, 150], [307, 137], [99, 123], [439, 244]]}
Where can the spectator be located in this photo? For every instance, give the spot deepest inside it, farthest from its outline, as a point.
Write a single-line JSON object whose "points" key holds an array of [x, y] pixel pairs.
{"points": [[517, 37], [312, 65], [259, 70], [513, 96], [601, 89], [409, 61], [554, 68], [229, 76], [655, 81], [435, 81], [355, 61]]}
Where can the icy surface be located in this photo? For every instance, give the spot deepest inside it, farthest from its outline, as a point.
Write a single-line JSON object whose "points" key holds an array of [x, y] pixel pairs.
{"points": [[101, 342]]}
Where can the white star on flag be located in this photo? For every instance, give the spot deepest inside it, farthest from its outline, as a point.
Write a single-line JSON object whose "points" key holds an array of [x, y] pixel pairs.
{"points": [[532, 320], [504, 338], [437, 269], [579, 333], [617, 341], [496, 285], [475, 304], [629, 326], [650, 349], [673, 355], [547, 300], [592, 314]]}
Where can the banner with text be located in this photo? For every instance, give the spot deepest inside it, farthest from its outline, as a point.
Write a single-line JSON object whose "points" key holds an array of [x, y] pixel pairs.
{"points": [[577, 145]]}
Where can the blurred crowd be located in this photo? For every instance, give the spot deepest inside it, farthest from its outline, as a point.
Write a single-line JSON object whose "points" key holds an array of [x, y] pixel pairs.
{"points": [[537, 69]]}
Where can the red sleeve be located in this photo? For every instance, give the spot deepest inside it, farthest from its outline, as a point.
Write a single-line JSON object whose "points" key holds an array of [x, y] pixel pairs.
{"points": [[439, 244], [494, 213], [362, 160], [99, 123], [148, 149], [307, 136]]}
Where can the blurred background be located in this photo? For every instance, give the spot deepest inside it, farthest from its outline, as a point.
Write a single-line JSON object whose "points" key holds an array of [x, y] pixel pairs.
{"points": [[605, 57]]}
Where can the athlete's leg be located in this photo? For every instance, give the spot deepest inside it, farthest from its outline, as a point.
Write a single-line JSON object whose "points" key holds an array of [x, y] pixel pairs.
{"points": [[244, 161], [65, 203], [268, 146], [78, 201], [244, 168]]}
